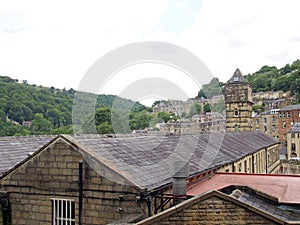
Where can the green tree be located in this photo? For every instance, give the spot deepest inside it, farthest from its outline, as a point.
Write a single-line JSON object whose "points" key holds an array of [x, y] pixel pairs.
{"points": [[41, 125], [105, 128], [165, 116], [207, 108], [195, 109], [139, 120], [201, 94]]}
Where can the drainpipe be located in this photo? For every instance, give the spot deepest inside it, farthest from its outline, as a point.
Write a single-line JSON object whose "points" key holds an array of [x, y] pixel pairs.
{"points": [[150, 205], [253, 169], [5, 206], [80, 190], [266, 161], [180, 172]]}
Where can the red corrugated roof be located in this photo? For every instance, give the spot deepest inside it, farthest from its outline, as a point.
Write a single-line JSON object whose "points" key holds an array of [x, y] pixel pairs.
{"points": [[283, 187]]}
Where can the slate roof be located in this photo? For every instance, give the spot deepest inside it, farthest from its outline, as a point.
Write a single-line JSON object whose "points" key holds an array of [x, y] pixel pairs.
{"points": [[295, 128], [290, 107], [15, 149], [242, 199], [264, 203], [147, 159], [237, 77]]}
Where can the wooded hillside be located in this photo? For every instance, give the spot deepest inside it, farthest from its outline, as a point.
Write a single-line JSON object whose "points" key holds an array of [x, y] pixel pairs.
{"points": [[44, 110]]}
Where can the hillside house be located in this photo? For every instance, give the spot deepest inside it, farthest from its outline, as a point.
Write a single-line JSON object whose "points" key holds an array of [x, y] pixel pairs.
{"points": [[288, 116], [293, 142]]}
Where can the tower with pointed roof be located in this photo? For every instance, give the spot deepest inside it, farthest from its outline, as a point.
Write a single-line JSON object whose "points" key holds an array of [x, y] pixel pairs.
{"points": [[238, 101]]}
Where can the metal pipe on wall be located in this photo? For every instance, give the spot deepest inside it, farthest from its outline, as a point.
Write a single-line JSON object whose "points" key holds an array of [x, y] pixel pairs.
{"points": [[80, 190]]}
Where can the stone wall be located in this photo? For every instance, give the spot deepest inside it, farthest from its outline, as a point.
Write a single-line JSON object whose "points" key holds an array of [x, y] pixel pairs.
{"points": [[213, 210], [53, 173], [256, 162], [1, 216]]}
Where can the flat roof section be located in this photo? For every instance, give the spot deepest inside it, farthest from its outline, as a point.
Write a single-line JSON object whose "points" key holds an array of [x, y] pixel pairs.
{"points": [[283, 187]]}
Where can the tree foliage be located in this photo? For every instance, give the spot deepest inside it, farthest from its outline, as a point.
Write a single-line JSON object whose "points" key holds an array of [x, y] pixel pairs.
{"points": [[269, 78], [212, 89], [49, 109]]}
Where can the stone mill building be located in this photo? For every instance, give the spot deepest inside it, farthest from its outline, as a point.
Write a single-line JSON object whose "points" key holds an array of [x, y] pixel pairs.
{"points": [[238, 101]]}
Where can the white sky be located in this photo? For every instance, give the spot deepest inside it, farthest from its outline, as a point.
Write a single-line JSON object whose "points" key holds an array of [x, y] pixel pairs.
{"points": [[54, 43]]}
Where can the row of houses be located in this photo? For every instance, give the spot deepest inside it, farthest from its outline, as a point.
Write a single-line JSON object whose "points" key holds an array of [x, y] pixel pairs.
{"points": [[93, 179], [205, 123], [178, 107]]}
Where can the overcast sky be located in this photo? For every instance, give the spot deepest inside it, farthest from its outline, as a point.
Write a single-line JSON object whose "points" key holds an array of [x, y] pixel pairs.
{"points": [[54, 43]]}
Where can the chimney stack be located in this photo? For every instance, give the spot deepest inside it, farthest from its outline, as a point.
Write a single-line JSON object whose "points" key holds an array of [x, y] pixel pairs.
{"points": [[180, 171]]}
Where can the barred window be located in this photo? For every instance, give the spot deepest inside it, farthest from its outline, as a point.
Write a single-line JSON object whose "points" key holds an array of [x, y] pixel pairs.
{"points": [[63, 212]]}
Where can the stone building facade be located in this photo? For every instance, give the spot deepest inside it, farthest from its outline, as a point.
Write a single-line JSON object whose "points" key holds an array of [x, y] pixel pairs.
{"points": [[293, 142], [288, 116], [267, 122], [212, 208], [192, 127], [52, 175], [178, 107], [117, 179], [265, 161], [238, 103]]}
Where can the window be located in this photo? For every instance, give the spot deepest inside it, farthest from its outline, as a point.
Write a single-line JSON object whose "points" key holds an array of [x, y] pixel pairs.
{"points": [[288, 114], [293, 135], [63, 211], [293, 147], [245, 166], [236, 113], [240, 167], [299, 114], [284, 125], [273, 127], [235, 78], [265, 120]]}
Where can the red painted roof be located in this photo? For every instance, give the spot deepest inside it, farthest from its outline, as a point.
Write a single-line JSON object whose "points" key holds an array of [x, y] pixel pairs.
{"points": [[283, 187]]}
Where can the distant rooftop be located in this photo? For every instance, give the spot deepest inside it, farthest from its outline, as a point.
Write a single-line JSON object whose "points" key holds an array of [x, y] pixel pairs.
{"points": [[295, 128], [237, 77], [290, 107]]}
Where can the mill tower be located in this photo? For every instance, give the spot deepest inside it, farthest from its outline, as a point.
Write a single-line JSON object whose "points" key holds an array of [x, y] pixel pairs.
{"points": [[238, 101]]}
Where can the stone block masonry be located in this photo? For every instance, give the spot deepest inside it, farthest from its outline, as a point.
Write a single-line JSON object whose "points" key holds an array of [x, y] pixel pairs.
{"points": [[210, 211], [53, 173]]}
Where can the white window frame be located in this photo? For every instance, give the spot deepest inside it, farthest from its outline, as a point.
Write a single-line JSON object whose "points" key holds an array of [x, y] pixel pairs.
{"points": [[236, 113], [61, 207]]}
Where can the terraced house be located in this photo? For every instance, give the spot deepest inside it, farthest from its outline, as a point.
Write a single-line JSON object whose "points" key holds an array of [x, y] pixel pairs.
{"points": [[93, 179]]}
